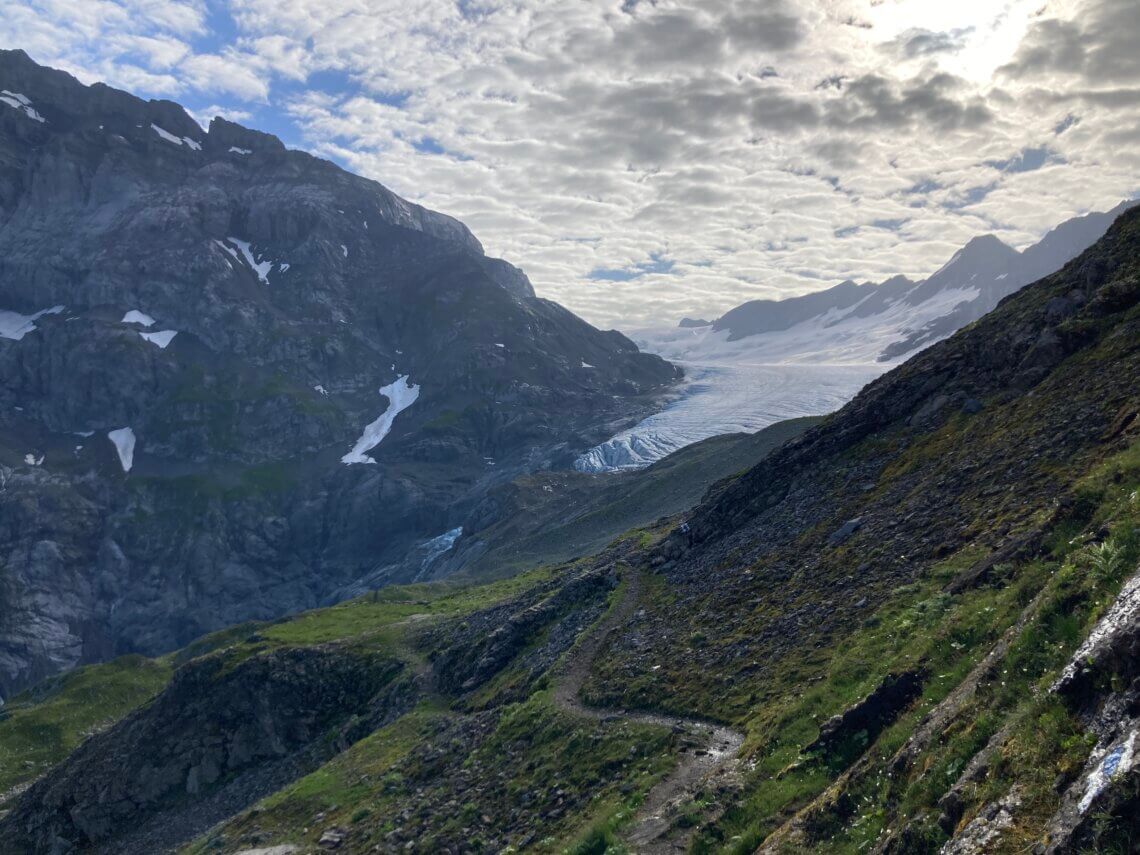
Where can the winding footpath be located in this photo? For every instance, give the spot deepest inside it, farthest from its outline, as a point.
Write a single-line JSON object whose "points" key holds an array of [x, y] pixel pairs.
{"points": [[712, 761]]}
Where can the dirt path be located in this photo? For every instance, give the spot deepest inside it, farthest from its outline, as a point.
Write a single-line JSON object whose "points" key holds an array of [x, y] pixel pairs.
{"points": [[707, 762]]}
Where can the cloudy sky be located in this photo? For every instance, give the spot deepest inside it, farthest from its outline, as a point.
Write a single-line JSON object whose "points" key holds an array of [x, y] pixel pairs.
{"points": [[648, 159]]}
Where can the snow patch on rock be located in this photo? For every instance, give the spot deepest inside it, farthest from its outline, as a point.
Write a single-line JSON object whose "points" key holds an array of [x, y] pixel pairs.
{"points": [[134, 316], [124, 440], [15, 326], [261, 268], [171, 138], [235, 150], [162, 338], [21, 103], [400, 395]]}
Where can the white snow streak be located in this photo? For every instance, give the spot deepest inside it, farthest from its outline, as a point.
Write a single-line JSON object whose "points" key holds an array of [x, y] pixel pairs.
{"points": [[262, 268], [235, 150], [15, 326], [171, 138], [400, 395], [124, 440]]}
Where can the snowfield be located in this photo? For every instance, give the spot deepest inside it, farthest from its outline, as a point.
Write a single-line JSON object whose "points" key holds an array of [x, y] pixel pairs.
{"points": [[15, 326], [124, 440], [134, 316], [21, 103], [162, 338], [400, 395]]}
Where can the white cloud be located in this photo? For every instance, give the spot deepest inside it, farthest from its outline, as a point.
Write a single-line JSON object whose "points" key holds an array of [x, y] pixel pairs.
{"points": [[762, 147]]}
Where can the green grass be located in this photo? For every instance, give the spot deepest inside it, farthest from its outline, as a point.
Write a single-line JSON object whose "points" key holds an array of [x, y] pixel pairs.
{"points": [[531, 755], [42, 726], [1071, 588]]}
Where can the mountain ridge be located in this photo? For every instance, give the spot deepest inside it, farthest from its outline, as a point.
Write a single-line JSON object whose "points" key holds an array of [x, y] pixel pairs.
{"points": [[985, 265], [196, 327]]}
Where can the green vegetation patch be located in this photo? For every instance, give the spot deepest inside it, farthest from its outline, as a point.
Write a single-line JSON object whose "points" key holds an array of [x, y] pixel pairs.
{"points": [[43, 725]]}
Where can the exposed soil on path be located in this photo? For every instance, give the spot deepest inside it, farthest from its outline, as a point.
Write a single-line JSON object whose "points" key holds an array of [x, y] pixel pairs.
{"points": [[707, 761]]}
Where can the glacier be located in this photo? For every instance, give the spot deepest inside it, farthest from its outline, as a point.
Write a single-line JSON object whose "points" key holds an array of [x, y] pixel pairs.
{"points": [[743, 386]]}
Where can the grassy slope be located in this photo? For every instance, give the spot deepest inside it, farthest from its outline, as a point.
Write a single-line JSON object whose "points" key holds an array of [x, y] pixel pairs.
{"points": [[39, 727], [1068, 588], [563, 515]]}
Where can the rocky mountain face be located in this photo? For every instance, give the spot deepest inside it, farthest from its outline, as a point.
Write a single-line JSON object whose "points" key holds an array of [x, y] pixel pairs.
{"points": [[915, 314], [914, 626], [238, 379]]}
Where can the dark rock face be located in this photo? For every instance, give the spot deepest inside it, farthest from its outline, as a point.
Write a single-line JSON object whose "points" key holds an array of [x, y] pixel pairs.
{"points": [[873, 713], [238, 306]]}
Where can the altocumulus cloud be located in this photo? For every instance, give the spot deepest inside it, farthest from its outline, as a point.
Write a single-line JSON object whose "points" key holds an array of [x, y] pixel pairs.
{"points": [[648, 160]]}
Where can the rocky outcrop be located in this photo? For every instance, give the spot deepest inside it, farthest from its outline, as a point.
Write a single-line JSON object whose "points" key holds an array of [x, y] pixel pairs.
{"points": [[869, 716], [219, 736], [238, 306], [1102, 682]]}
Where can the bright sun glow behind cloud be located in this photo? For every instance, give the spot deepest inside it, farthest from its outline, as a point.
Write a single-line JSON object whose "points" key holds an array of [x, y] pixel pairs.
{"points": [[990, 31]]}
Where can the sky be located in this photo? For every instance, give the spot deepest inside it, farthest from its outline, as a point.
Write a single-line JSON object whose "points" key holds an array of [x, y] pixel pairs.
{"points": [[644, 160]]}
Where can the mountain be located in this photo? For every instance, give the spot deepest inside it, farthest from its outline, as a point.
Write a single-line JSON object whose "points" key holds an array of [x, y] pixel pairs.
{"points": [[969, 285], [238, 379], [693, 323], [909, 629], [768, 360]]}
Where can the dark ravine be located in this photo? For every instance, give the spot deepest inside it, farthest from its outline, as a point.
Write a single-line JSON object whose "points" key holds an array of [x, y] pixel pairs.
{"points": [[294, 292]]}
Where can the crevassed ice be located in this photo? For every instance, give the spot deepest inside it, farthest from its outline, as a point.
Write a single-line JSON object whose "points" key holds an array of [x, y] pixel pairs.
{"points": [[134, 316], [810, 369], [400, 395], [162, 338], [15, 326], [124, 440], [437, 546]]}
